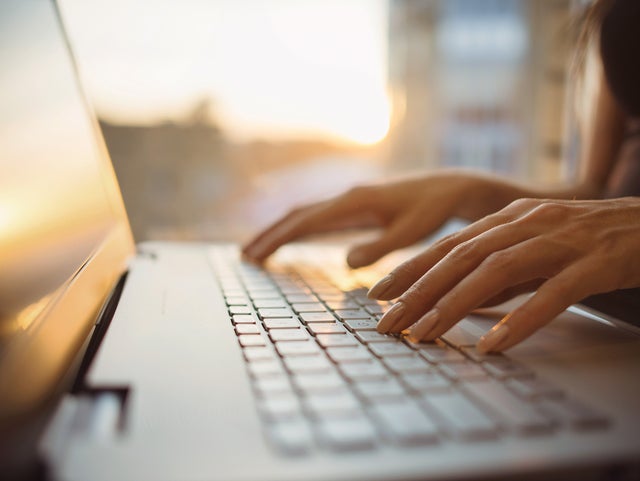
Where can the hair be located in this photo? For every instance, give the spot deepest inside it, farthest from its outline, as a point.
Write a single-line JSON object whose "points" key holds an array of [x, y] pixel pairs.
{"points": [[586, 26]]}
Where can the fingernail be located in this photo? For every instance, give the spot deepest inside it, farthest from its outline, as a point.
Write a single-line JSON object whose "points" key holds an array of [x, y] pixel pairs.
{"points": [[380, 287], [425, 325], [493, 338], [391, 317]]}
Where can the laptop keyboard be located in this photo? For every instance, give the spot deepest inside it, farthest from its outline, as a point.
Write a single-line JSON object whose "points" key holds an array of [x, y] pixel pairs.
{"points": [[325, 378]]}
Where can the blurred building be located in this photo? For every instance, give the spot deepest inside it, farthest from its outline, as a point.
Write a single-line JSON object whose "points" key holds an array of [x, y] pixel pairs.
{"points": [[167, 173], [479, 83], [185, 180], [473, 83]]}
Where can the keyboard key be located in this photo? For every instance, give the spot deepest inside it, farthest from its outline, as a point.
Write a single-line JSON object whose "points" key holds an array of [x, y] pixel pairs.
{"points": [[373, 336], [282, 323], [327, 292], [309, 317], [573, 413], [504, 367], [361, 324], [309, 307], [436, 352], [266, 368], [254, 354], [256, 294], [377, 309], [513, 412], [342, 304], [308, 364], [348, 354], [534, 388], [425, 382], [326, 328], [233, 291], [247, 329], [259, 286], [275, 312], [365, 301], [237, 301], [288, 334], [476, 356], [404, 365], [301, 298], [333, 295], [378, 390], [319, 382], [292, 437], [464, 333], [280, 407], [358, 292], [461, 418], [297, 348], [364, 370], [405, 423], [348, 434], [240, 310], [251, 340], [348, 314], [391, 349], [244, 319], [270, 303], [295, 290], [268, 386], [337, 340], [460, 371], [337, 404]]}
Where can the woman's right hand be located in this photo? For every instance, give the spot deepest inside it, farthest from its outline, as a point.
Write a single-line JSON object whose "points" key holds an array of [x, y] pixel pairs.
{"points": [[406, 211]]}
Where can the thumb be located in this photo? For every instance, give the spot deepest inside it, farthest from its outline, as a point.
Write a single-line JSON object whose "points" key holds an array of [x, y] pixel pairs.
{"points": [[402, 233]]}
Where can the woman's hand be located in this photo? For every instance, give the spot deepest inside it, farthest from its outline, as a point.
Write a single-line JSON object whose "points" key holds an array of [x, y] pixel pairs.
{"points": [[406, 210], [567, 250]]}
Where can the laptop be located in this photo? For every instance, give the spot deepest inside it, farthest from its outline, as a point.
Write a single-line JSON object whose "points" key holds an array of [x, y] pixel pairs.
{"points": [[169, 361]]}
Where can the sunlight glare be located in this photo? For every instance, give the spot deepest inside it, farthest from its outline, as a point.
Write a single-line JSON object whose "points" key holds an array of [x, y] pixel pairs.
{"points": [[276, 70]]}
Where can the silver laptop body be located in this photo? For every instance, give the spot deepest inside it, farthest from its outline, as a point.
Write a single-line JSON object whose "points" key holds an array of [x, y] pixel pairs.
{"points": [[167, 361]]}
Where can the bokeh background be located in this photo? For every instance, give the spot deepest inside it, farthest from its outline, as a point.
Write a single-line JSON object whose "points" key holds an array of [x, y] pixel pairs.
{"points": [[220, 115]]}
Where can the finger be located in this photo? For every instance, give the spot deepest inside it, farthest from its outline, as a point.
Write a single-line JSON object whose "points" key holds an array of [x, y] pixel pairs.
{"points": [[554, 296], [408, 273], [451, 269], [401, 233], [511, 292], [322, 217], [254, 249], [501, 270]]}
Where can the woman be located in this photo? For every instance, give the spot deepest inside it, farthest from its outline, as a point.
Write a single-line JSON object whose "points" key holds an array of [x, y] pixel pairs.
{"points": [[564, 244]]}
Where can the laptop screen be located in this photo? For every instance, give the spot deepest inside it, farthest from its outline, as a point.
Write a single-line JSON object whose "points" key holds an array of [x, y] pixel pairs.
{"points": [[59, 203]]}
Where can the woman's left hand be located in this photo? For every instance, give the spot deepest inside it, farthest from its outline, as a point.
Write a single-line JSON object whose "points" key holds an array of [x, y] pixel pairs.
{"points": [[563, 250]]}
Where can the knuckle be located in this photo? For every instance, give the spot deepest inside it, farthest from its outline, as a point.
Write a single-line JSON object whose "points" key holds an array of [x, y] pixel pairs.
{"points": [[523, 204], [357, 193], [500, 261], [446, 243], [549, 211], [295, 211], [465, 252]]}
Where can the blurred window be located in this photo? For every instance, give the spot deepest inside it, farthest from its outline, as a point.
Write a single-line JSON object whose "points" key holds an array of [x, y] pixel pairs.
{"points": [[219, 116]]}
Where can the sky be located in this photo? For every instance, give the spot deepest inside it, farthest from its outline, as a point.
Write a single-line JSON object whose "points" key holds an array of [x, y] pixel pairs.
{"points": [[276, 69]]}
